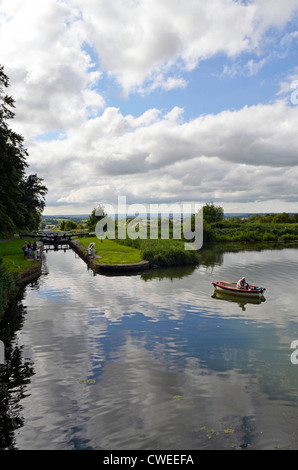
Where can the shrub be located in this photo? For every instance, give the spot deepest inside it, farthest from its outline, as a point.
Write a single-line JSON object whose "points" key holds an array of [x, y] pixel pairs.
{"points": [[247, 236], [167, 253], [287, 236], [268, 237], [7, 286]]}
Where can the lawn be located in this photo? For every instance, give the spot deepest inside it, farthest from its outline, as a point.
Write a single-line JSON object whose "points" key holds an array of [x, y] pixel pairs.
{"points": [[111, 252], [13, 257]]}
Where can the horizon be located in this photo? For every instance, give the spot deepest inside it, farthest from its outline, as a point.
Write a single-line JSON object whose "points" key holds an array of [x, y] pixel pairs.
{"points": [[79, 216]]}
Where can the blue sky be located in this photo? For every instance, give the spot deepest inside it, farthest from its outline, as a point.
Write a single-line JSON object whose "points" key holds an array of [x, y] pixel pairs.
{"points": [[156, 100], [218, 83]]}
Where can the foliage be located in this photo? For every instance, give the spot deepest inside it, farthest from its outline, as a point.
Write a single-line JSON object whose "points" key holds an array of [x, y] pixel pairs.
{"points": [[271, 227], [208, 233], [167, 253], [54, 223], [7, 286], [256, 229], [33, 196], [21, 196], [68, 225], [162, 252], [212, 213], [96, 215]]}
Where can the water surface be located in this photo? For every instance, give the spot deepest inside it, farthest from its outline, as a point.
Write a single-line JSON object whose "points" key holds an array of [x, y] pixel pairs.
{"points": [[153, 360]]}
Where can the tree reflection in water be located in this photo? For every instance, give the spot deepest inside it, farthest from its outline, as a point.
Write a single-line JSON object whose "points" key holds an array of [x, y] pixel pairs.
{"points": [[15, 374]]}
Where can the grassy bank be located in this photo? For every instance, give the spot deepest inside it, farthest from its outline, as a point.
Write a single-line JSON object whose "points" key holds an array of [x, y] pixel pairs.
{"points": [[162, 252], [13, 258], [12, 265], [157, 252], [111, 252]]}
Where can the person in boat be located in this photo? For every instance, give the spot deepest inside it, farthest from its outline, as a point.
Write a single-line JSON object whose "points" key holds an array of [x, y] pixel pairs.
{"points": [[242, 284]]}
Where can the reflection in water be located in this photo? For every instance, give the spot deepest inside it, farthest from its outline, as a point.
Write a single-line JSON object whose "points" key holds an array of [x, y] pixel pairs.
{"points": [[153, 360], [175, 272], [242, 302], [15, 373]]}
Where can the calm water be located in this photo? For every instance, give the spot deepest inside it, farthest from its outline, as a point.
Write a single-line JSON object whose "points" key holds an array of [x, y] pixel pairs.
{"points": [[152, 361]]}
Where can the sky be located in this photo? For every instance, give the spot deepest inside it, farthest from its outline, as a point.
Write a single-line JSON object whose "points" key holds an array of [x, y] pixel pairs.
{"points": [[158, 101]]}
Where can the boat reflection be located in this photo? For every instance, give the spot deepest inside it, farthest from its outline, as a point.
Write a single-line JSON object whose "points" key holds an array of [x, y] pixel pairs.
{"points": [[241, 301]]}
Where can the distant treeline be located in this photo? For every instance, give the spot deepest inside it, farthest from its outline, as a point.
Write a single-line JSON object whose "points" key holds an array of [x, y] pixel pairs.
{"points": [[62, 223]]}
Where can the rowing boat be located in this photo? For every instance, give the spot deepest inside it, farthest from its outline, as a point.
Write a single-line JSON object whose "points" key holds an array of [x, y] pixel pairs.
{"points": [[231, 288]]}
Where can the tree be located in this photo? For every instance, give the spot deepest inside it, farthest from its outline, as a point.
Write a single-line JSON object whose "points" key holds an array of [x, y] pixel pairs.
{"points": [[70, 225], [21, 196], [95, 216], [33, 198], [62, 226], [12, 160], [212, 213], [283, 218]]}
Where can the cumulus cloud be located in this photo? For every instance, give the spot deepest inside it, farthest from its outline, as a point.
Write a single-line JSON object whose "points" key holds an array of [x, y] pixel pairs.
{"points": [[141, 41], [62, 57], [140, 44], [236, 155], [41, 49]]}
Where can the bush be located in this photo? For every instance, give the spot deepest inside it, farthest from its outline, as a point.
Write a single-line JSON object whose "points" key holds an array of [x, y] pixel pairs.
{"points": [[247, 236], [224, 238], [7, 287], [287, 236], [167, 253], [269, 237]]}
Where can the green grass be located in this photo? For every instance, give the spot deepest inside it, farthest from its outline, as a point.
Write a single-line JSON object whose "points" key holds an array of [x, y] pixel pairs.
{"points": [[13, 257], [111, 252]]}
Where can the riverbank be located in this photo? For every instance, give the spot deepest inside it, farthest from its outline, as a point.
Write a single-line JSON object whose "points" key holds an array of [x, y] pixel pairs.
{"points": [[16, 270], [24, 269], [109, 256]]}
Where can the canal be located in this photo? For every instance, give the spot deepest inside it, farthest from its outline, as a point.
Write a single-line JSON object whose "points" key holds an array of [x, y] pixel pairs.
{"points": [[152, 360]]}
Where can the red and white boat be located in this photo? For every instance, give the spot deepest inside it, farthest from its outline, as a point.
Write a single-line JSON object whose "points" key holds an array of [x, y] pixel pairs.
{"points": [[231, 288]]}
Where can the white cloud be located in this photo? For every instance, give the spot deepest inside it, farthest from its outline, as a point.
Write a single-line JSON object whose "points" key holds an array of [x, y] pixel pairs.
{"points": [[41, 49], [143, 45], [63, 57], [137, 41], [288, 87], [249, 68], [276, 13], [240, 155], [165, 83]]}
